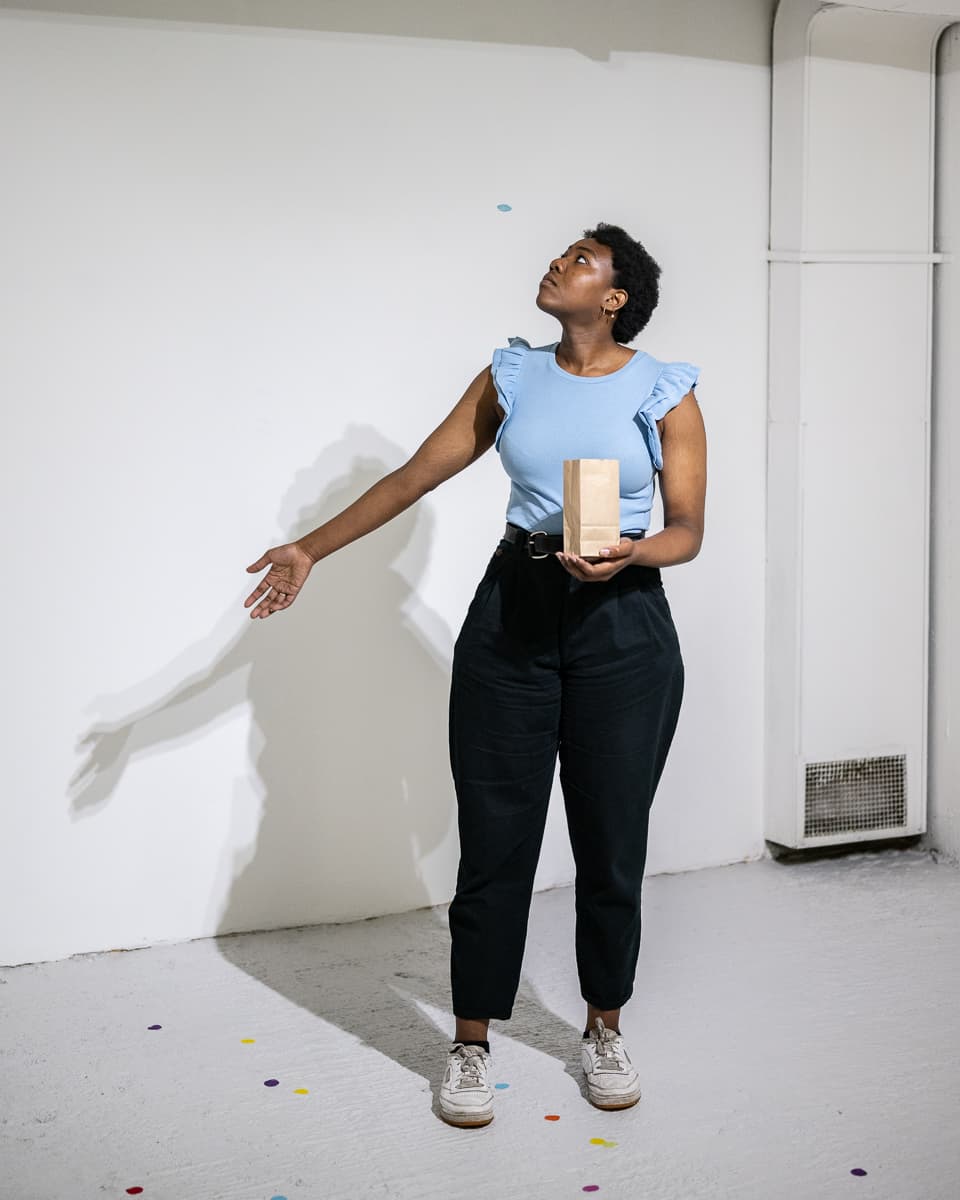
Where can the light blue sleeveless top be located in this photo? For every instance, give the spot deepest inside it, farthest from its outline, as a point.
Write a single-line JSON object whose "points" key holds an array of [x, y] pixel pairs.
{"points": [[552, 415]]}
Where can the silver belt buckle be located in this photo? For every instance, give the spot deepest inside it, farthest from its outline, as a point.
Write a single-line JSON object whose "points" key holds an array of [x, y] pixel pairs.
{"points": [[530, 543]]}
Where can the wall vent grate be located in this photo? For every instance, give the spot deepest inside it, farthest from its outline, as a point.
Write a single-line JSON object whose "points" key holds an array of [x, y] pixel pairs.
{"points": [[855, 794]]}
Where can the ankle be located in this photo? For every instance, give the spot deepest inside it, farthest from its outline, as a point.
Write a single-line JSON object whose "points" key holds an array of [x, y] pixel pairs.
{"points": [[609, 1016], [468, 1030]]}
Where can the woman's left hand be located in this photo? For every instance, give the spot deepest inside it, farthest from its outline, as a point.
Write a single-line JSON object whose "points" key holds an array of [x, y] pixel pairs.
{"points": [[599, 572]]}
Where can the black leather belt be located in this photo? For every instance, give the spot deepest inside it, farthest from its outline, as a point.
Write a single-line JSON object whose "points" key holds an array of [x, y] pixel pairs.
{"points": [[539, 544]]}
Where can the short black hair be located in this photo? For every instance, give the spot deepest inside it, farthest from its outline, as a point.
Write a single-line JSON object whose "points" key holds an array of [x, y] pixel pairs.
{"points": [[636, 272]]}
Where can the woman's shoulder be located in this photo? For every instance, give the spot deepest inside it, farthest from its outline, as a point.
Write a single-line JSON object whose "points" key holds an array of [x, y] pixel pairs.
{"points": [[518, 347], [674, 378], [664, 364], [508, 360]]}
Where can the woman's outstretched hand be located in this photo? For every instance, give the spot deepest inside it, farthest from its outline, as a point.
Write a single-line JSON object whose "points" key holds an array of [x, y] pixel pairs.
{"points": [[599, 572], [289, 567]]}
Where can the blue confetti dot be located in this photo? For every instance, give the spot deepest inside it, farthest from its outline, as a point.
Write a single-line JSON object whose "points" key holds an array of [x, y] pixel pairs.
{"points": [[501, 1085], [504, 208]]}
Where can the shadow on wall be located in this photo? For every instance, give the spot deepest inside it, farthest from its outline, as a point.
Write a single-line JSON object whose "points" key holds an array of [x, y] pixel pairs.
{"points": [[350, 703], [728, 30], [348, 744]]}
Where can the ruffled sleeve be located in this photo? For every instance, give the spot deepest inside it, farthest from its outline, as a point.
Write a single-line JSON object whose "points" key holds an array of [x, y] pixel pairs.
{"points": [[505, 369], [673, 383]]}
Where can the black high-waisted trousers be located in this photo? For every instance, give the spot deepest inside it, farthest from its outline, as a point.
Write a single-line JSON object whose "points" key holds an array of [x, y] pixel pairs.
{"points": [[546, 663]]}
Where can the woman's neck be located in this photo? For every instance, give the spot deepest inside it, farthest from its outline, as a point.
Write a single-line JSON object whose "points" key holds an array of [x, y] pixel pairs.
{"points": [[583, 352]]}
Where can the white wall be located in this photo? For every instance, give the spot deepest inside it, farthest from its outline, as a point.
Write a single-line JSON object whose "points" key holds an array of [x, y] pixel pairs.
{"points": [[246, 272]]}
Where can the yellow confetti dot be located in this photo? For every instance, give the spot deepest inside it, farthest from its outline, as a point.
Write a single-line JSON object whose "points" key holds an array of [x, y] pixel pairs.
{"points": [[609, 1143], [302, 1091], [598, 1141], [246, 1041]]}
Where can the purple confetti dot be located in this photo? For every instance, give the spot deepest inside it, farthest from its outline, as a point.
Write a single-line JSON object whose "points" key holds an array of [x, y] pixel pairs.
{"points": [[858, 1171], [270, 1082], [154, 1026]]}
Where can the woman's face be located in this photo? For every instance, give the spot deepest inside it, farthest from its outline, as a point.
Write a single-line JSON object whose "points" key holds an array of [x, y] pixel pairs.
{"points": [[578, 280]]}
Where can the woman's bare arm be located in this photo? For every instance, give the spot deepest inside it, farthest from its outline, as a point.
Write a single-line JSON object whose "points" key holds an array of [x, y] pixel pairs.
{"points": [[683, 487], [459, 440]]}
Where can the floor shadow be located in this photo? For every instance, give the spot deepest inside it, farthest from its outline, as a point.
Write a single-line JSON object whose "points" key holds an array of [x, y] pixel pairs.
{"points": [[386, 982]]}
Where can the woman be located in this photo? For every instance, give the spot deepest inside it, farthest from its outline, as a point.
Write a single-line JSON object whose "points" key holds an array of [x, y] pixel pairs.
{"points": [[557, 654]]}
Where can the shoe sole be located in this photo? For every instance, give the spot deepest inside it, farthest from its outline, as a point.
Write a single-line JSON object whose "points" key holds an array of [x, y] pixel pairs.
{"points": [[619, 1104], [460, 1123]]}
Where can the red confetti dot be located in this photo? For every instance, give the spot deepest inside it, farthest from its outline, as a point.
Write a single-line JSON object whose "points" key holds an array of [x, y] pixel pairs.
{"points": [[134, 1191]]}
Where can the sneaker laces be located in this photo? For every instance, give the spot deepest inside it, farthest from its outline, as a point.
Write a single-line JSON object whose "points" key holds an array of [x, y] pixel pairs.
{"points": [[471, 1066], [608, 1047]]}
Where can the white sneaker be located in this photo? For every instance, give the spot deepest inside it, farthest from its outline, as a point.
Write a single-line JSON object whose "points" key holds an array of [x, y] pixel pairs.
{"points": [[466, 1098], [612, 1079]]}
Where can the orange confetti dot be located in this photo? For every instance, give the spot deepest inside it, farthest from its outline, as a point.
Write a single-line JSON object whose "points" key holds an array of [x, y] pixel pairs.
{"points": [[551, 1117]]}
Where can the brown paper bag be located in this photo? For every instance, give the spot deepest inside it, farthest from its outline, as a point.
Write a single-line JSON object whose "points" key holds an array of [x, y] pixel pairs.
{"points": [[591, 505]]}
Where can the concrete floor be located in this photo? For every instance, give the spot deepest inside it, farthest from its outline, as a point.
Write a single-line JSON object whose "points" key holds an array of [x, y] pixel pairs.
{"points": [[792, 1023]]}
